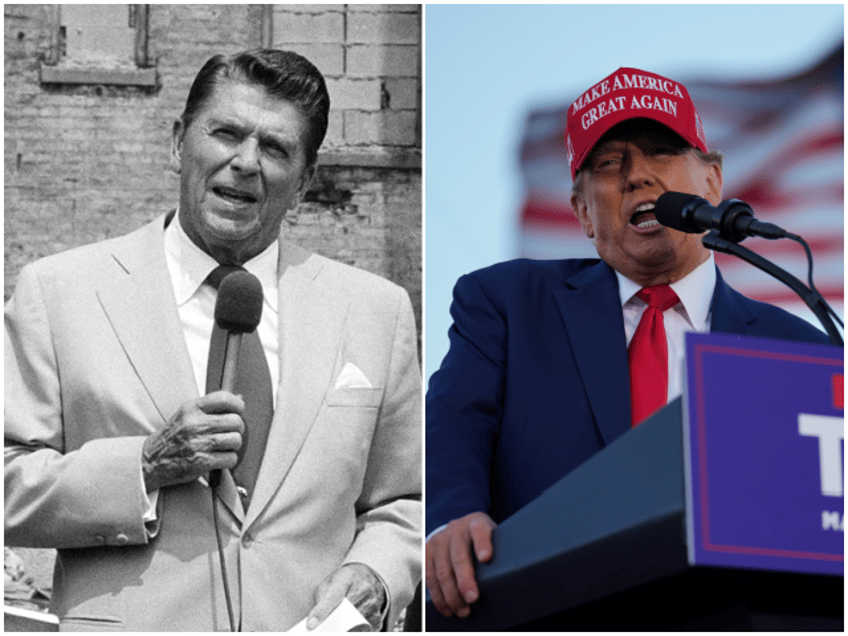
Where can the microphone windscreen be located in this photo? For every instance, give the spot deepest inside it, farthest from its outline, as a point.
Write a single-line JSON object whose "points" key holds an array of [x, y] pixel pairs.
{"points": [[239, 304], [669, 210]]}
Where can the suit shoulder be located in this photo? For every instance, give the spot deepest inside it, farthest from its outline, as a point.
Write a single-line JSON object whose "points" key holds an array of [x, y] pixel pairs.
{"points": [[84, 262], [78, 256], [775, 322], [344, 279], [523, 271]]}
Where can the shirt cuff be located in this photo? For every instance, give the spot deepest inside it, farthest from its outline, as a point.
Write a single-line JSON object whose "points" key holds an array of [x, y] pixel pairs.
{"points": [[436, 531], [148, 504]]}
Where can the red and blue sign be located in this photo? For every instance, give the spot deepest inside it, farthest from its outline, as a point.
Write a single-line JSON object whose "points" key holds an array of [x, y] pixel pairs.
{"points": [[764, 452]]}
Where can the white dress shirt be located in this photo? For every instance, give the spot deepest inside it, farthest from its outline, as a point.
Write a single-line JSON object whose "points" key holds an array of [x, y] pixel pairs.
{"points": [[189, 266], [692, 313]]}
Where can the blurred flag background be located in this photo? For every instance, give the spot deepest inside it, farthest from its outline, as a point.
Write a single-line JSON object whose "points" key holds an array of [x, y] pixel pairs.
{"points": [[784, 142], [767, 81]]}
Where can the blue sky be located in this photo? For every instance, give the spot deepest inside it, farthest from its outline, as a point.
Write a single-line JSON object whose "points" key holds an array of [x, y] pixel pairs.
{"points": [[486, 65]]}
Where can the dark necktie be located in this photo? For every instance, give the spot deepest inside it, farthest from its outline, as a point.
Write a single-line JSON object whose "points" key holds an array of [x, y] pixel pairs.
{"points": [[253, 383], [648, 354]]}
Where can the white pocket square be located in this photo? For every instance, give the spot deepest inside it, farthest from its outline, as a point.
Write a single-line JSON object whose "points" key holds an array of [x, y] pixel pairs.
{"points": [[352, 377]]}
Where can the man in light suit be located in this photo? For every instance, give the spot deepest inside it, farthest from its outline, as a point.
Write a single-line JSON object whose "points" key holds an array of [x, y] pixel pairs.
{"points": [[110, 435], [538, 376]]}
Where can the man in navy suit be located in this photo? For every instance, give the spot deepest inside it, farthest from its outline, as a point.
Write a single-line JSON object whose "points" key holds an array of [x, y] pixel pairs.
{"points": [[537, 378]]}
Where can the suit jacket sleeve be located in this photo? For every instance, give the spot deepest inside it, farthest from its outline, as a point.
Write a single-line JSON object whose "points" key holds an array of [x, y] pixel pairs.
{"points": [[464, 405], [54, 496], [388, 509]]}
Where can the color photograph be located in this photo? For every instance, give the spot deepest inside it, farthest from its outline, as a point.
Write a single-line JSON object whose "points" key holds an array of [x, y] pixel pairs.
{"points": [[592, 462]]}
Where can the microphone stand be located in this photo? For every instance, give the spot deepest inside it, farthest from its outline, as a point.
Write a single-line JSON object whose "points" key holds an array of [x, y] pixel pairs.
{"points": [[813, 299]]}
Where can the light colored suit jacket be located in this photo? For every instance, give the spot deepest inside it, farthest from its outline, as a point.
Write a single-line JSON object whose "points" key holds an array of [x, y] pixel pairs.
{"points": [[95, 361]]}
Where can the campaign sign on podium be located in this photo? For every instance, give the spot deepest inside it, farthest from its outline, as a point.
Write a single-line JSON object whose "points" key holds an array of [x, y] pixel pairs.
{"points": [[764, 453]]}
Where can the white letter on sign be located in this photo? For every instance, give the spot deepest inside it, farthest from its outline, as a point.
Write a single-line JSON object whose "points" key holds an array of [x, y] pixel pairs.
{"points": [[831, 520], [831, 432]]}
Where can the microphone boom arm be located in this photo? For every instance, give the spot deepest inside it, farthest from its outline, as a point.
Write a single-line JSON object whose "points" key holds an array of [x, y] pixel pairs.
{"points": [[814, 300]]}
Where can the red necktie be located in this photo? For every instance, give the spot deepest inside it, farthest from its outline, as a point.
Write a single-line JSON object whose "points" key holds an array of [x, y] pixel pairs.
{"points": [[253, 382], [648, 354]]}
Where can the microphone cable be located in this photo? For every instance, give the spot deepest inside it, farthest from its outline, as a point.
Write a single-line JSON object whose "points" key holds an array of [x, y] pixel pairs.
{"points": [[730, 223], [238, 310], [809, 253], [223, 561]]}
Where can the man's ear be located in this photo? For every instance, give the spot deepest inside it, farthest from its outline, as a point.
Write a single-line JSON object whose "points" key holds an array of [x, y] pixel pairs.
{"points": [[306, 179], [715, 182], [177, 134], [578, 204]]}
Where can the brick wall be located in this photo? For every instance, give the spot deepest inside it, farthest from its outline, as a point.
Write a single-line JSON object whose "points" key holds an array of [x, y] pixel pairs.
{"points": [[372, 56], [86, 162]]}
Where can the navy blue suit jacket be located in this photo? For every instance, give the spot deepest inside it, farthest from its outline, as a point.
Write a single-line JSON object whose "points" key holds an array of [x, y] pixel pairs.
{"points": [[536, 379]]}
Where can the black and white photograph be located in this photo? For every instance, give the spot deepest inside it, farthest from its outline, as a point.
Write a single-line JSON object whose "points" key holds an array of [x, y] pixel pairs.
{"points": [[213, 308]]}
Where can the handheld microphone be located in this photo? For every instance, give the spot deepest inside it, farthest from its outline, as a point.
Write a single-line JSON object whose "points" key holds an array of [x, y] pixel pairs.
{"points": [[733, 218], [238, 310]]}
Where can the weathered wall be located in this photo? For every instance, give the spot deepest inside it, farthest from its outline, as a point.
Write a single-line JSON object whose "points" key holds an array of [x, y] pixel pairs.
{"points": [[86, 162]]}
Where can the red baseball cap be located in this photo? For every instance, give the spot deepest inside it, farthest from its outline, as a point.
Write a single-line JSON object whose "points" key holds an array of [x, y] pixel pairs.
{"points": [[626, 94]]}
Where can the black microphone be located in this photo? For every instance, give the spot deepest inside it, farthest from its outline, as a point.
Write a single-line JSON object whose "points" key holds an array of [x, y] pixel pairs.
{"points": [[733, 218], [238, 310]]}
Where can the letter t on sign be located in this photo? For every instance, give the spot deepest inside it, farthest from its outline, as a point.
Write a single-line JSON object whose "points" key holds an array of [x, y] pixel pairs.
{"points": [[830, 431]]}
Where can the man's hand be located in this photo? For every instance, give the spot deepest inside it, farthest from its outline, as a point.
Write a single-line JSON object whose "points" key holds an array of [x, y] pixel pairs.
{"points": [[361, 586], [450, 566], [203, 435]]}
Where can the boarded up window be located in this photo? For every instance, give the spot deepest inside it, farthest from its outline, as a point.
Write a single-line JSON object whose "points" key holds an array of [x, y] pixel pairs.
{"points": [[102, 34], [99, 44]]}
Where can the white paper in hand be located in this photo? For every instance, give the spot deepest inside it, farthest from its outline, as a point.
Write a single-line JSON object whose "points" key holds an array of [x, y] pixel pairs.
{"points": [[345, 618]]}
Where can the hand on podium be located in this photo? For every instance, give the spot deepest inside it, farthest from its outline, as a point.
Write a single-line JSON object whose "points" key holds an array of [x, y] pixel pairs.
{"points": [[450, 566]]}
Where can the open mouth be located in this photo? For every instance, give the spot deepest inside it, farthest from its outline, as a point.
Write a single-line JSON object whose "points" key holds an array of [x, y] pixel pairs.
{"points": [[643, 217], [237, 197]]}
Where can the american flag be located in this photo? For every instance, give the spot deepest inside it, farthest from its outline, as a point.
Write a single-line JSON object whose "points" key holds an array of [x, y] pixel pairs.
{"points": [[782, 141]]}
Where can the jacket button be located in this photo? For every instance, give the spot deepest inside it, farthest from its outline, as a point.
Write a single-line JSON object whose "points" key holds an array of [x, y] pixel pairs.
{"points": [[247, 540], [122, 539], [100, 539]]}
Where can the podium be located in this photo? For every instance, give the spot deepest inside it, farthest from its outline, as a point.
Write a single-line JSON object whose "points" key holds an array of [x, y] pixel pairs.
{"points": [[674, 525]]}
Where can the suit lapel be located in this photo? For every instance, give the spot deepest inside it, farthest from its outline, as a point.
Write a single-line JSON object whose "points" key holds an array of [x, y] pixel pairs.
{"points": [[593, 319], [142, 312], [729, 313], [311, 326]]}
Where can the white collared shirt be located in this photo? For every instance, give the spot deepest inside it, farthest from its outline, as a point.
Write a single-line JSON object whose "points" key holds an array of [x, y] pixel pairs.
{"points": [[692, 313], [189, 266]]}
